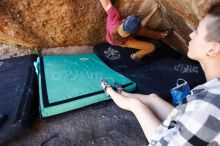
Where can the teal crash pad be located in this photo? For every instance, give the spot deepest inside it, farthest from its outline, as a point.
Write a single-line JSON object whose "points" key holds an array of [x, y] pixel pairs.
{"points": [[71, 82]]}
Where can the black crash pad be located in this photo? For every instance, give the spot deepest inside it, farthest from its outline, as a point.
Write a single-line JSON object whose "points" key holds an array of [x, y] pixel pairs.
{"points": [[156, 72], [17, 95]]}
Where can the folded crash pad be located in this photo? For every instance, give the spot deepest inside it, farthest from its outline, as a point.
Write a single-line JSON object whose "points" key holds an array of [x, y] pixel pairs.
{"points": [[18, 96], [70, 82]]}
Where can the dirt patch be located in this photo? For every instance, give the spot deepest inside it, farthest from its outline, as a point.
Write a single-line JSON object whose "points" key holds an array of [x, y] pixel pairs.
{"points": [[10, 50], [102, 124]]}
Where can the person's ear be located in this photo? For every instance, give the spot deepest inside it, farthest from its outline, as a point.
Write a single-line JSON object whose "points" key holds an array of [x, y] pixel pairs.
{"points": [[215, 50]]}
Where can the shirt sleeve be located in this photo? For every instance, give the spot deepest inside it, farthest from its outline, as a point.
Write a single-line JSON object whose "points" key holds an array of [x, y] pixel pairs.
{"points": [[114, 15], [199, 125]]}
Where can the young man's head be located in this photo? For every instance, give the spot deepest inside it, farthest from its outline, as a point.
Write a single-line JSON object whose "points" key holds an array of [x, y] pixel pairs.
{"points": [[205, 40], [129, 25]]}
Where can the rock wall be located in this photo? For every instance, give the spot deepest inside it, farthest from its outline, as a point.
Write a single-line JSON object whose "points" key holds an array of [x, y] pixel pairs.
{"points": [[183, 16], [52, 23]]}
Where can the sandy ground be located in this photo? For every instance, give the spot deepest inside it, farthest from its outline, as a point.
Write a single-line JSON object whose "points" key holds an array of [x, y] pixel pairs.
{"points": [[9, 50]]}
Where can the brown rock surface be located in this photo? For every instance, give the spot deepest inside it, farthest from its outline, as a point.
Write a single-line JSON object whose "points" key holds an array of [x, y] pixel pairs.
{"points": [[52, 23], [60, 23], [183, 16]]}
